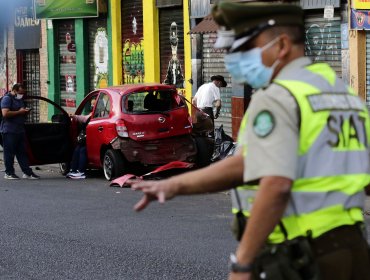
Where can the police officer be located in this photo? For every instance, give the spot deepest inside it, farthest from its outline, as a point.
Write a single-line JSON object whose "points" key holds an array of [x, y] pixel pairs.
{"points": [[303, 161]]}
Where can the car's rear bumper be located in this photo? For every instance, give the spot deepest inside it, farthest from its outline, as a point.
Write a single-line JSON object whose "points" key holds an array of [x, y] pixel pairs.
{"points": [[161, 151]]}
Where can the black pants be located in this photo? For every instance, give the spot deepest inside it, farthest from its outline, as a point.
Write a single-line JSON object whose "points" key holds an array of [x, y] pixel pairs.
{"points": [[209, 111], [342, 254]]}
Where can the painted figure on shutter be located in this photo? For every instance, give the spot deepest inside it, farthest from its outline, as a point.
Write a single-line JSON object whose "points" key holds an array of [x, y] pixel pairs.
{"points": [[174, 74], [101, 58]]}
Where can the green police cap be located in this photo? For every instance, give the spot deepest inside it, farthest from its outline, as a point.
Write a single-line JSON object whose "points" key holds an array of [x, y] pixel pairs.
{"points": [[251, 18]]}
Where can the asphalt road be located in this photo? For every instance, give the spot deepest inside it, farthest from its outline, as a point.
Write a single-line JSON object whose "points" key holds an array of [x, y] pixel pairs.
{"points": [[58, 228]]}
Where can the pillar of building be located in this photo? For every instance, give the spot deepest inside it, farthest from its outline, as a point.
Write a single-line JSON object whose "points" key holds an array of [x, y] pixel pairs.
{"points": [[151, 42], [115, 42], [357, 47]]}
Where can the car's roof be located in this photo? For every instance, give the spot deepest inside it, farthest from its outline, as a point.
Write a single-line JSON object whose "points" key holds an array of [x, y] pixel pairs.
{"points": [[128, 88]]}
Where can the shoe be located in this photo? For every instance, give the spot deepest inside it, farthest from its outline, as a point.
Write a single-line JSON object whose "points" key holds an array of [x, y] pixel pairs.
{"points": [[69, 174], [11, 177], [32, 176], [77, 175]]}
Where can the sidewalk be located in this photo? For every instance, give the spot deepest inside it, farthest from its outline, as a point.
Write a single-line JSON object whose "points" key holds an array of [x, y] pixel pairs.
{"points": [[54, 168]]}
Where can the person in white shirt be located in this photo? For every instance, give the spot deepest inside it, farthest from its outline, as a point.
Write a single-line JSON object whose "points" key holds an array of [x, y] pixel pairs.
{"points": [[208, 95]]}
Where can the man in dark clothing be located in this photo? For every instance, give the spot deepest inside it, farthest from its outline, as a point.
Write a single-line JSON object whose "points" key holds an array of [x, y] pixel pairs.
{"points": [[13, 133]]}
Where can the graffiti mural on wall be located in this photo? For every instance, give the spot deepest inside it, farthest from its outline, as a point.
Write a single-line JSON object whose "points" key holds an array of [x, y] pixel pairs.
{"points": [[132, 42], [323, 42], [133, 62], [101, 58], [174, 74]]}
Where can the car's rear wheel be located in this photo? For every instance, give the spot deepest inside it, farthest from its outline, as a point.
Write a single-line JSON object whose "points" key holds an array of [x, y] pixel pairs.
{"points": [[113, 164], [64, 168]]}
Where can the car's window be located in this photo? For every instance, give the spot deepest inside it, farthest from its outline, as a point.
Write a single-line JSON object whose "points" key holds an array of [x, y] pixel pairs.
{"points": [[152, 101], [102, 109], [88, 107]]}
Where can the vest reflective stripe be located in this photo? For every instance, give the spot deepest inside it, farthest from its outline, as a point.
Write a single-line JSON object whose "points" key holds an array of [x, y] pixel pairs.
{"points": [[317, 222], [242, 130], [304, 202], [329, 190]]}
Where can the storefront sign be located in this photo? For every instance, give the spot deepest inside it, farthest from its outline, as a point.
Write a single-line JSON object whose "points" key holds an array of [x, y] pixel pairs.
{"points": [[27, 30], [66, 9], [360, 19], [361, 4], [329, 12]]}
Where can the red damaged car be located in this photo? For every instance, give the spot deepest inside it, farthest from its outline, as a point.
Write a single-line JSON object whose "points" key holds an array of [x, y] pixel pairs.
{"points": [[131, 126]]}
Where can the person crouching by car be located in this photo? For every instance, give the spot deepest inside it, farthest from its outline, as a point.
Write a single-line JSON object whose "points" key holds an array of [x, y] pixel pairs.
{"points": [[79, 157]]}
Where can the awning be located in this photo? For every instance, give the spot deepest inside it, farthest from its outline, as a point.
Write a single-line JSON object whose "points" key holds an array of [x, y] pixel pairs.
{"points": [[207, 25]]}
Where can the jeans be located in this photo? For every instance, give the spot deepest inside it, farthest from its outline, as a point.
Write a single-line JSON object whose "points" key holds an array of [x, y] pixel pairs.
{"points": [[14, 146], [79, 159]]}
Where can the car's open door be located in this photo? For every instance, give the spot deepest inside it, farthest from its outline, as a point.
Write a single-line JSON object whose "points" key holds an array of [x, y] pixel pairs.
{"points": [[47, 132]]}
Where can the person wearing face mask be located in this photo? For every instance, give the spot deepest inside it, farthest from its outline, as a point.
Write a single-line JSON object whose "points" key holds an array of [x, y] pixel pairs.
{"points": [[302, 166], [12, 130]]}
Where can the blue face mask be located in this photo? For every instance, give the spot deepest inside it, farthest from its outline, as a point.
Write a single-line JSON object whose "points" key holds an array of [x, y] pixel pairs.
{"points": [[247, 67]]}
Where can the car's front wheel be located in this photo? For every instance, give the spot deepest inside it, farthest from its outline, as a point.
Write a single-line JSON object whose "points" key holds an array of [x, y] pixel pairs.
{"points": [[113, 164]]}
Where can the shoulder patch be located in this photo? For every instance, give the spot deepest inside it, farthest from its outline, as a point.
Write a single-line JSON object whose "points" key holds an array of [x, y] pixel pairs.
{"points": [[263, 123]]}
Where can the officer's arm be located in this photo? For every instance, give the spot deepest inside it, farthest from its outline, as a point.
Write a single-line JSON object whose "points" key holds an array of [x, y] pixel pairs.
{"points": [[268, 208], [220, 176]]}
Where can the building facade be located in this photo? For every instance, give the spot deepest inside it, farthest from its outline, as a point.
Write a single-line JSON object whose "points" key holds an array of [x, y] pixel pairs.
{"points": [[164, 41], [23, 53]]}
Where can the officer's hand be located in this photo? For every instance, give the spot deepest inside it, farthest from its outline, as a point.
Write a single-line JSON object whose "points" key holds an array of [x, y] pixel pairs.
{"points": [[153, 190], [240, 276]]}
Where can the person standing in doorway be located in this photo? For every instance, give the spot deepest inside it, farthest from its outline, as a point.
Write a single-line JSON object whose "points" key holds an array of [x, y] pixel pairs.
{"points": [[14, 113]]}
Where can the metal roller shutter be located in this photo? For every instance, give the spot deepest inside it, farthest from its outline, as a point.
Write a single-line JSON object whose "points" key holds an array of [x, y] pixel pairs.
{"points": [[323, 40], [368, 69], [29, 73], [67, 65], [98, 53], [171, 34], [132, 42], [213, 64]]}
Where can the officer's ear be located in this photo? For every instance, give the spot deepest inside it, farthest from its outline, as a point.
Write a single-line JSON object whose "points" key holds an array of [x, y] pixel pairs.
{"points": [[285, 45]]}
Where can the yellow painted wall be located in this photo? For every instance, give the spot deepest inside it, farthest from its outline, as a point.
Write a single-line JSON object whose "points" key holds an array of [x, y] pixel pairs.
{"points": [[151, 42], [116, 41], [187, 49]]}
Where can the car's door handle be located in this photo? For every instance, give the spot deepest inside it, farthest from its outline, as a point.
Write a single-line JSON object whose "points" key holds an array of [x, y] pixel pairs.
{"points": [[100, 128]]}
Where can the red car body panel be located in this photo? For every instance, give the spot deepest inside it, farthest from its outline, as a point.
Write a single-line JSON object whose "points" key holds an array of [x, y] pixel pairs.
{"points": [[115, 133], [153, 139]]}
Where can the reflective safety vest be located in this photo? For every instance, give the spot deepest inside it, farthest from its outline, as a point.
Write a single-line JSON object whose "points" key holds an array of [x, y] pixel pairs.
{"points": [[333, 156]]}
